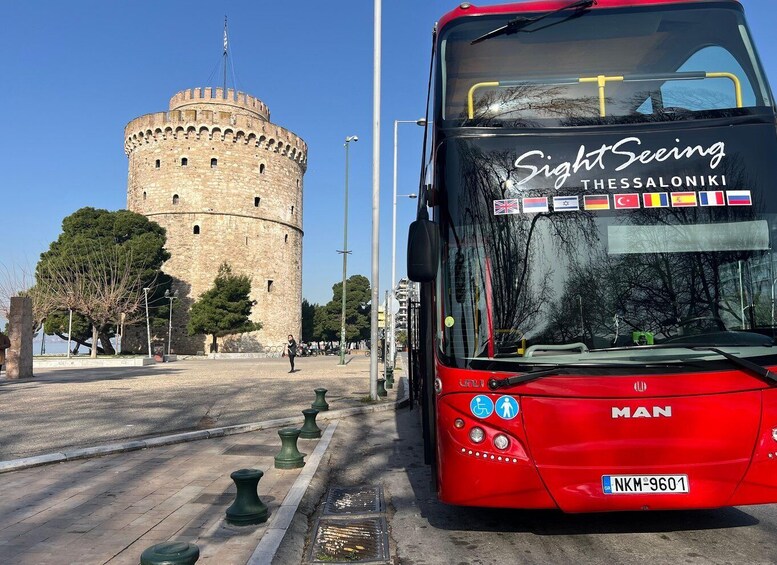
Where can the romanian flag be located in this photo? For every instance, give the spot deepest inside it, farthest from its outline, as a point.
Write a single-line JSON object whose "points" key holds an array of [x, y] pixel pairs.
{"points": [[596, 202], [655, 200], [739, 198], [681, 199], [711, 198]]}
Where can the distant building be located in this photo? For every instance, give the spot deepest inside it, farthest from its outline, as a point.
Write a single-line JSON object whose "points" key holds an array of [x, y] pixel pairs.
{"points": [[226, 184], [406, 291]]}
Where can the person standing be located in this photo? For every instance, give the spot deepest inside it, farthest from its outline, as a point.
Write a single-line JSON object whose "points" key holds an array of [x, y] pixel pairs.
{"points": [[291, 351]]}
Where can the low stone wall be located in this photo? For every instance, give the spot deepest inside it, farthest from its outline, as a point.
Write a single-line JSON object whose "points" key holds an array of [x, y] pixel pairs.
{"points": [[87, 362]]}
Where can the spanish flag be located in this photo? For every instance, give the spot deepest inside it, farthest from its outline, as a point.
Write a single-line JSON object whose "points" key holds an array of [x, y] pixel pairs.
{"points": [[680, 199], [655, 200]]}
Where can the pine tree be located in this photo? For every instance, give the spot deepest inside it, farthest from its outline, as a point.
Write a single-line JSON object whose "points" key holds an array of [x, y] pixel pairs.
{"points": [[225, 308]]}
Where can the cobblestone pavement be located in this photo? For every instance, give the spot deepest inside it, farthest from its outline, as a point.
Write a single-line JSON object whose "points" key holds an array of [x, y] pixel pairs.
{"points": [[67, 408], [109, 509]]}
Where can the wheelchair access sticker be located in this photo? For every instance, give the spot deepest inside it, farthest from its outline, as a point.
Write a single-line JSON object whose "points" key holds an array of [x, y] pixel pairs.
{"points": [[481, 406]]}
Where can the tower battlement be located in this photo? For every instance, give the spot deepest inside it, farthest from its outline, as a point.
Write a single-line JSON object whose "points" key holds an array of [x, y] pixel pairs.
{"points": [[196, 123], [216, 96]]}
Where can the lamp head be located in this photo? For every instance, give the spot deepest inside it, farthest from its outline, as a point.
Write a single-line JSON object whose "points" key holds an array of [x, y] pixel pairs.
{"points": [[351, 138], [421, 122]]}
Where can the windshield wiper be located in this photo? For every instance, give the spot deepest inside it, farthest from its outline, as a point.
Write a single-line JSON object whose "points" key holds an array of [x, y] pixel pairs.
{"points": [[495, 384], [517, 24], [754, 368]]}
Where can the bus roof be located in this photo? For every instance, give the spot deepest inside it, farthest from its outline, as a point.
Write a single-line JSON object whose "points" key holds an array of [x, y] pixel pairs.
{"points": [[465, 9]]}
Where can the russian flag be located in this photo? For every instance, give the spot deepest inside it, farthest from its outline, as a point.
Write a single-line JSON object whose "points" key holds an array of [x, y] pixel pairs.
{"points": [[711, 198], [739, 198]]}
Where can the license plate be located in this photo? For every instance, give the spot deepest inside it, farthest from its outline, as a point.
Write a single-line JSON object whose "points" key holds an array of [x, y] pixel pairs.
{"points": [[644, 484]]}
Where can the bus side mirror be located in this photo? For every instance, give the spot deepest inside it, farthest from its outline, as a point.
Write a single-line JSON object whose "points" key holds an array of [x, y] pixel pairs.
{"points": [[423, 245]]}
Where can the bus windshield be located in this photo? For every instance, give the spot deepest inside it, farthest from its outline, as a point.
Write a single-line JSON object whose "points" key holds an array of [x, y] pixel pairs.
{"points": [[602, 66], [633, 251]]}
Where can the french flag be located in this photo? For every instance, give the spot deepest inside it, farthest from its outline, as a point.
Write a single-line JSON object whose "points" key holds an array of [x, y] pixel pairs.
{"points": [[711, 198], [739, 198]]}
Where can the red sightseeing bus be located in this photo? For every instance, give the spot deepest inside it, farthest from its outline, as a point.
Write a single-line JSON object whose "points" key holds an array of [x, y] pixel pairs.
{"points": [[594, 247]]}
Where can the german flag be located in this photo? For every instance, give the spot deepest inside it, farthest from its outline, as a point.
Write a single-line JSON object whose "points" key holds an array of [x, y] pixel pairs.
{"points": [[596, 202], [655, 200], [681, 199]]}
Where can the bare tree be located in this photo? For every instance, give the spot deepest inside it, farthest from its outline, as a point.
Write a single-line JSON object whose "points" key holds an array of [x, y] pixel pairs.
{"points": [[104, 286]]}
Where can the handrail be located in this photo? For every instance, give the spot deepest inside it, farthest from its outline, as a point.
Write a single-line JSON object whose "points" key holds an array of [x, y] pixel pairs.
{"points": [[601, 82]]}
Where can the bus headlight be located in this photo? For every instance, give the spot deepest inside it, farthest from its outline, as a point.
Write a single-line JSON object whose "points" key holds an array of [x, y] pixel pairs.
{"points": [[458, 423], [501, 442], [437, 386], [477, 435], [774, 434]]}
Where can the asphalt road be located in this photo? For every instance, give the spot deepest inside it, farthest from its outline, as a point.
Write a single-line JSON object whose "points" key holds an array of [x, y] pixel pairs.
{"points": [[385, 449], [67, 408]]}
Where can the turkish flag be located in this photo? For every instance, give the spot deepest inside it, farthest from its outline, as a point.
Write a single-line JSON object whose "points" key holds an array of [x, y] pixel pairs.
{"points": [[626, 201]]}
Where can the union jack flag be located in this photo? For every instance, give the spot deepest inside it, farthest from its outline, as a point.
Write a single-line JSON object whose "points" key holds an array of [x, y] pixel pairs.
{"points": [[509, 206]]}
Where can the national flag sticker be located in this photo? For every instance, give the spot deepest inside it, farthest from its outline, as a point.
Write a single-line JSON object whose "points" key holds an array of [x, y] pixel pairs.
{"points": [[534, 205], [655, 200], [509, 206], [711, 198], [596, 202], [739, 198], [683, 199], [566, 203], [626, 201]]}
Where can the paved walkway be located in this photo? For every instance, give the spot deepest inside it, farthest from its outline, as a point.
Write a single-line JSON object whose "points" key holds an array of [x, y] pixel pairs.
{"points": [[109, 509]]}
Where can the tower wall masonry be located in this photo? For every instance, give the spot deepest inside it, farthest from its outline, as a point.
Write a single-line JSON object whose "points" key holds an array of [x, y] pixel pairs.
{"points": [[227, 185]]}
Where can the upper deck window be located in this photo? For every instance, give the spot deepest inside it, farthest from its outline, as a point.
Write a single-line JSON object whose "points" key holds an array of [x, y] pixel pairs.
{"points": [[642, 64]]}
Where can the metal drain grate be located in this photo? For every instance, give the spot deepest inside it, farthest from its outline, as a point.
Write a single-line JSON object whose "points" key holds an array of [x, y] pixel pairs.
{"points": [[350, 541], [354, 500]]}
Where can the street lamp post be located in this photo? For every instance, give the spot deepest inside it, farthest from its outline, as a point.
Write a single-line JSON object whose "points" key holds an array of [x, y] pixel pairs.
{"points": [[345, 251], [392, 331], [170, 297], [148, 322]]}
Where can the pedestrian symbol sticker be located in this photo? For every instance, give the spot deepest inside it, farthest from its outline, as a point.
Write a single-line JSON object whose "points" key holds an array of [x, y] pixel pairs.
{"points": [[506, 407], [481, 406]]}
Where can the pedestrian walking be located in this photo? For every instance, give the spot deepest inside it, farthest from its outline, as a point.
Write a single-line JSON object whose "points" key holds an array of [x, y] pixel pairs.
{"points": [[291, 351]]}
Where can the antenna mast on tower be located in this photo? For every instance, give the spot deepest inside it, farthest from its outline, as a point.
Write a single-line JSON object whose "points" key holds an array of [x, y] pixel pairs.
{"points": [[225, 55]]}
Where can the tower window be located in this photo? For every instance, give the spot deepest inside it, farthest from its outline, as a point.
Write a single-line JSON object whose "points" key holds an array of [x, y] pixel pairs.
{"points": [[286, 238], [257, 200], [144, 195], [196, 230], [261, 169], [175, 199], [269, 286], [184, 161], [157, 163], [214, 163], [292, 210]]}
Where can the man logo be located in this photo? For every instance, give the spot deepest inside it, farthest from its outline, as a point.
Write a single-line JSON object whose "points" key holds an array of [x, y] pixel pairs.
{"points": [[640, 386], [642, 412]]}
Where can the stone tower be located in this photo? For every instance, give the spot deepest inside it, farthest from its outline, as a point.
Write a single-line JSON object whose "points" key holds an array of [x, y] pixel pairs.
{"points": [[226, 184]]}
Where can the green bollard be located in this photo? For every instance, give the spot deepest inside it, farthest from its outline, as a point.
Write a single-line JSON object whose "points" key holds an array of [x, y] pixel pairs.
{"points": [[170, 553], [382, 388], [289, 457], [248, 508], [309, 429], [320, 403], [390, 378]]}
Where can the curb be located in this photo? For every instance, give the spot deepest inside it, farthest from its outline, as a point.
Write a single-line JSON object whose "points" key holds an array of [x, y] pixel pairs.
{"points": [[135, 445]]}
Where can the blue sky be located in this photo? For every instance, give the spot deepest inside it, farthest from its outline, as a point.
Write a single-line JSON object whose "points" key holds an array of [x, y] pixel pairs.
{"points": [[76, 72]]}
